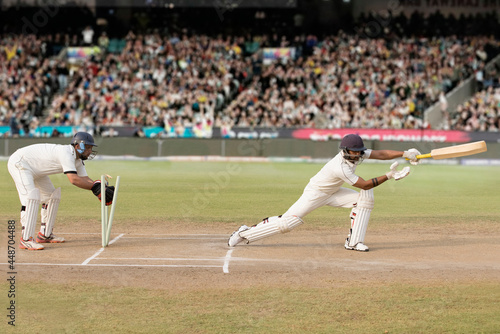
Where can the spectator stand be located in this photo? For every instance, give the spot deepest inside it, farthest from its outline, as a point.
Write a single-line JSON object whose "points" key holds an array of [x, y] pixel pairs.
{"points": [[179, 83], [444, 114]]}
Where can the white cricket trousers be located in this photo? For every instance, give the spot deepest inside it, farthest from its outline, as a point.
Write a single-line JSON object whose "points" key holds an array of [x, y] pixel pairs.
{"points": [[26, 180], [312, 199]]}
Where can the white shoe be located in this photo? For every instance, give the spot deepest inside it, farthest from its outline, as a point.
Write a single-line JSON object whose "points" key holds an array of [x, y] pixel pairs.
{"points": [[30, 244], [360, 247], [235, 238], [53, 239]]}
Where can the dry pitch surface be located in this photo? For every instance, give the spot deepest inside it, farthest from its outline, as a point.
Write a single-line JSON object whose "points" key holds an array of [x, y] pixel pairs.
{"points": [[190, 260]]}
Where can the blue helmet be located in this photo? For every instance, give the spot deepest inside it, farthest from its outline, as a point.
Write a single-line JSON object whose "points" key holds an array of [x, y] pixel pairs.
{"points": [[80, 139]]}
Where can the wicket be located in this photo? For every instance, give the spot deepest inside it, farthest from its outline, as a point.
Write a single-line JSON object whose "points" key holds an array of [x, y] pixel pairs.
{"points": [[107, 223]]}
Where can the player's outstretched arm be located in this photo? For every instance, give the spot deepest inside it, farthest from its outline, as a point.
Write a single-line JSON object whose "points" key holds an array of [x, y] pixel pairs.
{"points": [[386, 154], [84, 182], [369, 184], [393, 173], [411, 155]]}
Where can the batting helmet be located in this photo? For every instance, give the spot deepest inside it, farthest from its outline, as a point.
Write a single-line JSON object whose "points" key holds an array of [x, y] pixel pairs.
{"points": [[80, 139], [352, 142]]}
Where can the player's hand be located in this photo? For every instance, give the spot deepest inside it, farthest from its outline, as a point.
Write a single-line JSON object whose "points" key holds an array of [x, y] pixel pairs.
{"points": [[397, 175], [110, 191], [411, 155]]}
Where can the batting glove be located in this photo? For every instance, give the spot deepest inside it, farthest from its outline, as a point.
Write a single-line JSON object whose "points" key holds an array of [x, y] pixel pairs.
{"points": [[397, 175], [411, 155]]}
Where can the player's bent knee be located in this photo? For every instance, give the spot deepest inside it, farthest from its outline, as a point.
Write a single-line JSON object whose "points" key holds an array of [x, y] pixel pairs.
{"points": [[366, 199], [34, 195], [50, 212], [56, 194], [271, 226], [288, 223]]}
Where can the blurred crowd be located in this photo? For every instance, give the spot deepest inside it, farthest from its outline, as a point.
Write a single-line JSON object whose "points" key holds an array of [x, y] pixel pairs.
{"points": [[348, 81], [28, 80], [480, 113], [182, 80]]}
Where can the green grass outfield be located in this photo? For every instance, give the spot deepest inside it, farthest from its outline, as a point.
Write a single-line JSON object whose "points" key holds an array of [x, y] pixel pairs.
{"points": [[219, 193], [226, 195]]}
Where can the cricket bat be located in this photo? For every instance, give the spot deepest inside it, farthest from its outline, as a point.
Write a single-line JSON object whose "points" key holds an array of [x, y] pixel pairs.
{"points": [[455, 151]]}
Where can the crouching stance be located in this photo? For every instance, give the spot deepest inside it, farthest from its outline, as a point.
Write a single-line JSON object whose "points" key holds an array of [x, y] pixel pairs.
{"points": [[325, 188], [30, 168]]}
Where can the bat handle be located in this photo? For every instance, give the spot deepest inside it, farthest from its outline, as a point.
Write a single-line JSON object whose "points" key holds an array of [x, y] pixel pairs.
{"points": [[423, 156]]}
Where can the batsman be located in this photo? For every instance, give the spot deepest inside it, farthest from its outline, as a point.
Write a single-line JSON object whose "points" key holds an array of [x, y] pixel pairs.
{"points": [[325, 188], [30, 168]]}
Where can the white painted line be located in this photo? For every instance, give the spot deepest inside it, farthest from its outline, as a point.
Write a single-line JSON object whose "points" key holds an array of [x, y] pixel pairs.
{"points": [[115, 239], [179, 238], [75, 233], [233, 259], [149, 235], [84, 263], [157, 265], [157, 259], [183, 234], [120, 265], [100, 251], [225, 268]]}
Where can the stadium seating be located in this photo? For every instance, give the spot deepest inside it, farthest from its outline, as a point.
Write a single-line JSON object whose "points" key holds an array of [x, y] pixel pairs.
{"points": [[183, 79]]}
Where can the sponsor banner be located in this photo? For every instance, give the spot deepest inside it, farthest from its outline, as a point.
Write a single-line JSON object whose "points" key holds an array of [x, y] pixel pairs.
{"points": [[196, 131], [269, 55], [480, 162], [54, 131], [424, 7], [367, 134], [220, 5], [385, 135], [263, 133], [119, 131], [5, 131], [41, 131], [251, 133], [492, 137], [81, 52]]}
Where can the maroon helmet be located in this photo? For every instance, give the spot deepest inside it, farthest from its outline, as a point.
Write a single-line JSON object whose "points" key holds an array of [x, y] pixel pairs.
{"points": [[352, 142]]}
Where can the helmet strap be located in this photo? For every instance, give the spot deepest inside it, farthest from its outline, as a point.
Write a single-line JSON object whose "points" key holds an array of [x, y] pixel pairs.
{"points": [[350, 158]]}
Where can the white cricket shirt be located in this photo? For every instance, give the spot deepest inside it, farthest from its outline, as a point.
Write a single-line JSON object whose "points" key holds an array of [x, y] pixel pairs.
{"points": [[334, 174], [48, 159]]}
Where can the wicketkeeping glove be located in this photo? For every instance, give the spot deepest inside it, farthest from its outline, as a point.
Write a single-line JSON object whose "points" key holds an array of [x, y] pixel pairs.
{"points": [[110, 191], [397, 175]]}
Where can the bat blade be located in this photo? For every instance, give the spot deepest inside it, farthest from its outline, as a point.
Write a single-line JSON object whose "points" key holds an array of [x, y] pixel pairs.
{"points": [[456, 151]]}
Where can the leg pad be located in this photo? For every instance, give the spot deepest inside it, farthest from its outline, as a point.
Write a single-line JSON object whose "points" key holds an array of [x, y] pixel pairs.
{"points": [[360, 217], [271, 226], [29, 217], [49, 212]]}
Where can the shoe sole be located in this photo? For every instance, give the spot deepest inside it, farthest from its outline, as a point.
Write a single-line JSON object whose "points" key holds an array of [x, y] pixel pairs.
{"points": [[49, 241], [35, 249], [357, 250]]}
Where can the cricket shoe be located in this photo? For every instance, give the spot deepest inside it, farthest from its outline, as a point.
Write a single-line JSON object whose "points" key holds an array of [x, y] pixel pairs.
{"points": [[53, 239], [30, 244], [360, 247], [235, 238]]}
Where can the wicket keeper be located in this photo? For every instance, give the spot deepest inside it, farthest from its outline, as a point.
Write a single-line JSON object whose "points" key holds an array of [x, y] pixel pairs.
{"points": [[325, 188], [30, 168]]}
